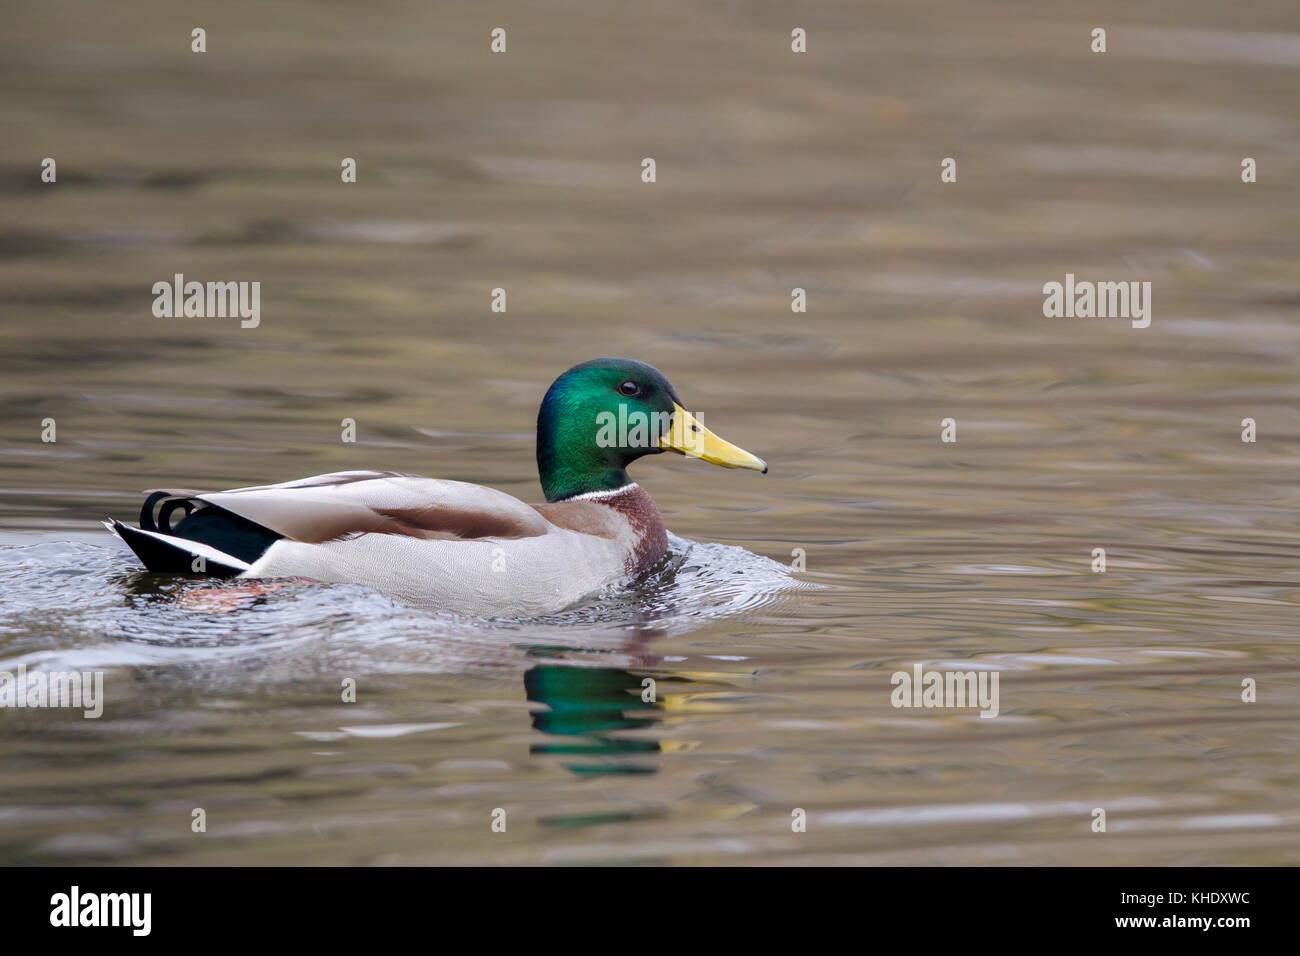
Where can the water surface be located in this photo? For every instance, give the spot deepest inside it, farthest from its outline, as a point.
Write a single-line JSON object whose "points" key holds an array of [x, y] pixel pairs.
{"points": [[772, 687]]}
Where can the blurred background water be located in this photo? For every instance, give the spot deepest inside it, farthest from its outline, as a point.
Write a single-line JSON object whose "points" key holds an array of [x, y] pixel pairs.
{"points": [[775, 170]]}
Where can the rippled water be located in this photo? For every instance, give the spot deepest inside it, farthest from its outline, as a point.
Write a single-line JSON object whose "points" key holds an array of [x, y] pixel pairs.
{"points": [[772, 686], [137, 618]]}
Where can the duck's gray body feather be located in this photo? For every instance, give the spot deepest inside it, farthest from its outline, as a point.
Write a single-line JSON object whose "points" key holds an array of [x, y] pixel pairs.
{"points": [[447, 545], [487, 576]]}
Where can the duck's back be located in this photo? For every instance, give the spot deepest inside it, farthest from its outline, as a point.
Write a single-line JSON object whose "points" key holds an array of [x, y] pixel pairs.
{"points": [[434, 543]]}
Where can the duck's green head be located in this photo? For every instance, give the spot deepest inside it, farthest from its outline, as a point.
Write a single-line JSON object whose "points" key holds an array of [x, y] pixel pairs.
{"points": [[600, 416]]}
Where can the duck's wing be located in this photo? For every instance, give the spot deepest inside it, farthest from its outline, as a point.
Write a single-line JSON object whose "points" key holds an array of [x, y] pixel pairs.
{"points": [[232, 530], [328, 507], [447, 545]]}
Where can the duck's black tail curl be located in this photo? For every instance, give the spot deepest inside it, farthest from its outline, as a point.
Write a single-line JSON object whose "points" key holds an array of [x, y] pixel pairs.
{"points": [[206, 539]]}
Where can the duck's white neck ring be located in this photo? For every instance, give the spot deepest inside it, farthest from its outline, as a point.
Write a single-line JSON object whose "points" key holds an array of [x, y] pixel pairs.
{"points": [[598, 495]]}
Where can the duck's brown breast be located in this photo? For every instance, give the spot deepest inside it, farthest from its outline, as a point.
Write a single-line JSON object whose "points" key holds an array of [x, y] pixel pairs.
{"points": [[628, 513]]}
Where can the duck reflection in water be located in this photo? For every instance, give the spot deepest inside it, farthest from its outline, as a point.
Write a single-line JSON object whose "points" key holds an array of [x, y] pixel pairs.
{"points": [[586, 707]]}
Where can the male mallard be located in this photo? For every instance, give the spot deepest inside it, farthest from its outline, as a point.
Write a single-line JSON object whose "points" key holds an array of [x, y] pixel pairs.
{"points": [[448, 544]]}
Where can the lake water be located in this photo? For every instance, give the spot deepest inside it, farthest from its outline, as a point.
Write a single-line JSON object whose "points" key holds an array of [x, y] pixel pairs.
{"points": [[1119, 690]]}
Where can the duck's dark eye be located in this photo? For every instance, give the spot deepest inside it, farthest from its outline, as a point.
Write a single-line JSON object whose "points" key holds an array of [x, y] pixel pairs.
{"points": [[629, 388]]}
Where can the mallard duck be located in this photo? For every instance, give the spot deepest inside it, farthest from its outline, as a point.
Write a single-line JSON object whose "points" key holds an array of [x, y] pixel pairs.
{"points": [[451, 545]]}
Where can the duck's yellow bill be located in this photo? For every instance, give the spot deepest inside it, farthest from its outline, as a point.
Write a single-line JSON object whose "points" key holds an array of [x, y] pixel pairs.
{"points": [[688, 437]]}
